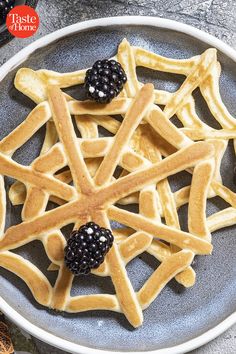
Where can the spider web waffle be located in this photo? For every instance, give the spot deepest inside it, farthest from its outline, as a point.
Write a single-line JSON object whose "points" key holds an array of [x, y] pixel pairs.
{"points": [[148, 148]]}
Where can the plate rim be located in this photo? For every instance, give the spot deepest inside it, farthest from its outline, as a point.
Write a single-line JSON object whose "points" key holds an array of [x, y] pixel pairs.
{"points": [[20, 57]]}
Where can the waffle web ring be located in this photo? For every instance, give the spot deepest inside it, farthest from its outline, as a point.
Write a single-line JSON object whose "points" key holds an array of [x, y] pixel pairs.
{"points": [[148, 147]]}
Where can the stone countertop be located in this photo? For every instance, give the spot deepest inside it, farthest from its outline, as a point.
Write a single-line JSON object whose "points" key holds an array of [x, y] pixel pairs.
{"points": [[217, 17]]}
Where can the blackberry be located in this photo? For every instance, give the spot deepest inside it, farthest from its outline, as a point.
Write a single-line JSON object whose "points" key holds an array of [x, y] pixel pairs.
{"points": [[105, 80], [5, 7], [87, 247]]}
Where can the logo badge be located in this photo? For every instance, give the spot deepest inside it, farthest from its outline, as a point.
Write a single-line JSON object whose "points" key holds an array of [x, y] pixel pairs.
{"points": [[22, 21]]}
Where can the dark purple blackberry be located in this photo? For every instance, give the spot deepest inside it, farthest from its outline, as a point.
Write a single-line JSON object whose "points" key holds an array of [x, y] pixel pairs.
{"points": [[105, 80], [87, 247], [5, 7]]}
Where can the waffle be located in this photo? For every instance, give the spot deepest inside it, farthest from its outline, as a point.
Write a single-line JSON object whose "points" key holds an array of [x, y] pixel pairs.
{"points": [[148, 148]]}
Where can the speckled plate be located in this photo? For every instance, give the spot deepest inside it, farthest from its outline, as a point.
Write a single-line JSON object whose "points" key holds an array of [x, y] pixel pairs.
{"points": [[178, 320]]}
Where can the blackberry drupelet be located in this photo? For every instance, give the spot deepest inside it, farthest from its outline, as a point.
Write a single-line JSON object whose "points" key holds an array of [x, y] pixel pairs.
{"points": [[105, 80], [5, 7], [87, 247]]}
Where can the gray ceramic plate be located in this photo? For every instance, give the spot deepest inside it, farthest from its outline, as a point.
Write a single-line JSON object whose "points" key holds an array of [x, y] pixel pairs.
{"points": [[177, 316]]}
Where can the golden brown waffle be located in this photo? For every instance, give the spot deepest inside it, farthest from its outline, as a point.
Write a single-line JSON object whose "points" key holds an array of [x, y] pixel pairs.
{"points": [[148, 147]]}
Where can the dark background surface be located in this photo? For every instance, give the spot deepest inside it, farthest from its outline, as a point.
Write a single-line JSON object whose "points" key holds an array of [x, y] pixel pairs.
{"points": [[216, 17]]}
